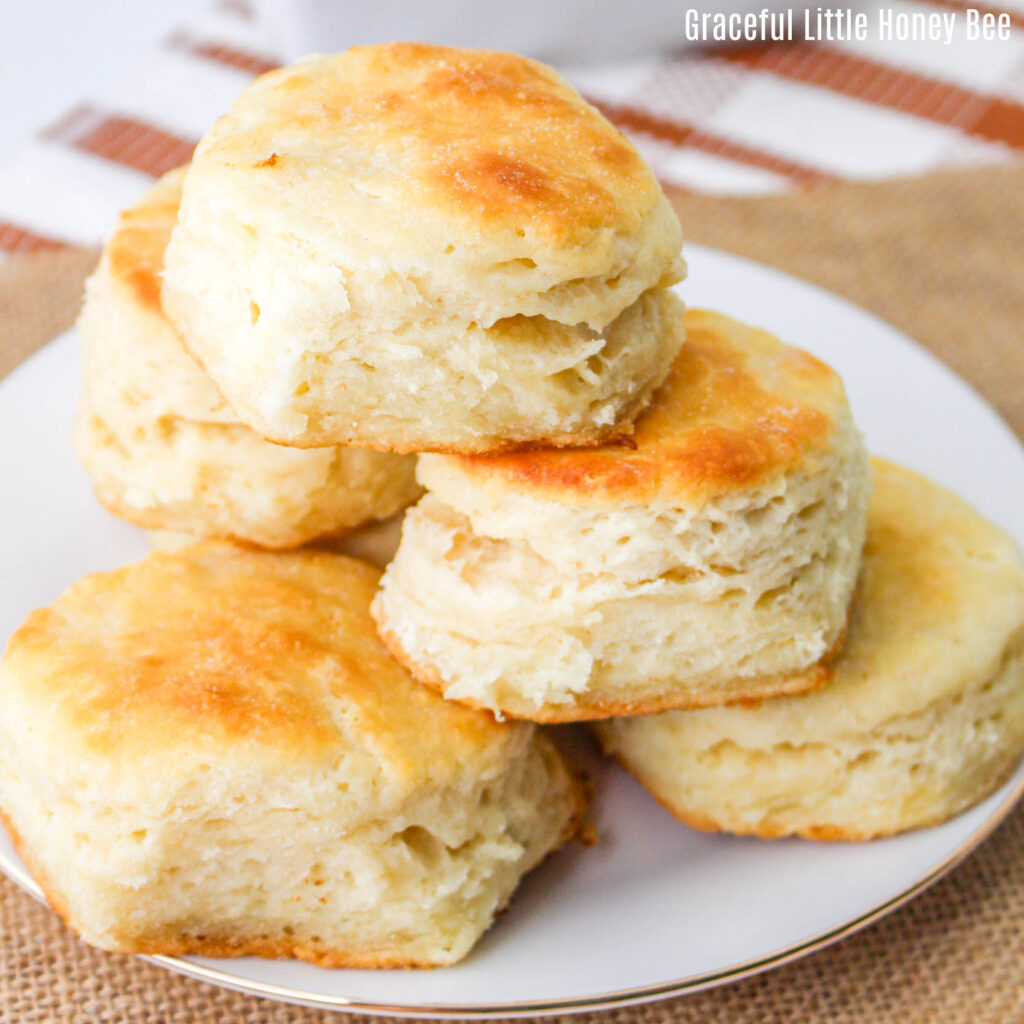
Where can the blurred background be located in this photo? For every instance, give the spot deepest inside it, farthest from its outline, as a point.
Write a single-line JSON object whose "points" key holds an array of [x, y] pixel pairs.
{"points": [[50, 51], [135, 85]]}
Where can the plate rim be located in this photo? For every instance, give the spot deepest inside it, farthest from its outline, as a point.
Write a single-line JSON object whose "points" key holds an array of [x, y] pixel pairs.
{"points": [[602, 1001], [634, 995]]}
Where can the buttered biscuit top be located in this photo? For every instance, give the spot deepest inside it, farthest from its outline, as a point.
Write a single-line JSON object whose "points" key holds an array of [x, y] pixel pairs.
{"points": [[422, 248], [211, 752], [737, 410], [214, 648], [441, 161]]}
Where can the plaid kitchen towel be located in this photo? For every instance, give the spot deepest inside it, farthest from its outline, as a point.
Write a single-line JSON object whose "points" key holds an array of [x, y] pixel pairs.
{"points": [[729, 120]]}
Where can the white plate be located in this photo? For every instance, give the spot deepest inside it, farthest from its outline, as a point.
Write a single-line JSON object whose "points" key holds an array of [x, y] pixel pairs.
{"points": [[655, 908]]}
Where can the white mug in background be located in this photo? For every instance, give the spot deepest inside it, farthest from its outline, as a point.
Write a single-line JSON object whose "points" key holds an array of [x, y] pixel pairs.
{"points": [[560, 31]]}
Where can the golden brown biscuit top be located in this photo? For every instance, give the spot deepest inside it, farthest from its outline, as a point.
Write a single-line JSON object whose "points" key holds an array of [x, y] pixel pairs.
{"points": [[488, 139], [135, 251], [214, 648], [940, 599], [738, 408]]}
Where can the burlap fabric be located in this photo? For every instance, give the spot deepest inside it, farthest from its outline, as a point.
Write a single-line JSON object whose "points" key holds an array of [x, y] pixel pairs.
{"points": [[942, 257]]}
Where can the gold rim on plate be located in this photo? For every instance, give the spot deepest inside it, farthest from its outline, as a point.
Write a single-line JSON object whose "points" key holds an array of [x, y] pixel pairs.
{"points": [[602, 1001]]}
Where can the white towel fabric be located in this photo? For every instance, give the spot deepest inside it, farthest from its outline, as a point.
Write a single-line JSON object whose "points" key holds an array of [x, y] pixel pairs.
{"points": [[728, 120]]}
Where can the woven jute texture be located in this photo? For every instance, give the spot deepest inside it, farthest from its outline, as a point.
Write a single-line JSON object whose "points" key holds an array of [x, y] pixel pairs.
{"points": [[39, 297], [942, 257]]}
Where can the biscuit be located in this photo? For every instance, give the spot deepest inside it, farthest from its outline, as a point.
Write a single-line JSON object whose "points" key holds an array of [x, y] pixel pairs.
{"points": [[711, 560], [415, 247], [925, 713], [211, 752], [163, 448]]}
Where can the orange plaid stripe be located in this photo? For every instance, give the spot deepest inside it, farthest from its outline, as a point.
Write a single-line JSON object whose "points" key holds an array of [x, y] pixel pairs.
{"points": [[250, 62], [990, 117], [632, 119], [17, 240]]}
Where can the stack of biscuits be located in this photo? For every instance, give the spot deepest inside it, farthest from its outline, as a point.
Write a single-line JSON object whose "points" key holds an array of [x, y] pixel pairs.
{"points": [[409, 269]]}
